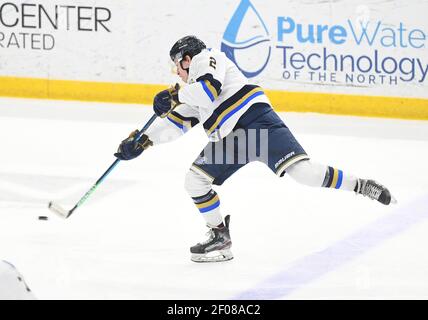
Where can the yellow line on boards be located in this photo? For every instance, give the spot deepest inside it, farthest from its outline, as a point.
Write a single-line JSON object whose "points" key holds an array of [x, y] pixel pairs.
{"points": [[329, 103], [79, 90], [341, 104]]}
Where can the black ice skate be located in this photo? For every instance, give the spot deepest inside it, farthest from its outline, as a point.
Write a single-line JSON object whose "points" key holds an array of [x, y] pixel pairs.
{"points": [[216, 248], [375, 191]]}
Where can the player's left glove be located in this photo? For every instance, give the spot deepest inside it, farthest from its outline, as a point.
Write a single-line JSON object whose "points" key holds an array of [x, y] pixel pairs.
{"points": [[130, 148], [165, 101]]}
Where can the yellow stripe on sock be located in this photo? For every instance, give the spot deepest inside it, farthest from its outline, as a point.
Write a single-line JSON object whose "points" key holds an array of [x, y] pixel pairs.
{"points": [[209, 203], [335, 178]]}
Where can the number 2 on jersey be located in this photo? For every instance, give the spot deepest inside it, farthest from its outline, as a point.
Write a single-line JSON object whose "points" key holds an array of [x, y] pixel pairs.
{"points": [[213, 63]]}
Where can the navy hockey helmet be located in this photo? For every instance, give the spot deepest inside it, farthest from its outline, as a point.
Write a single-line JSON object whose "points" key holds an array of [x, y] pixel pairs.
{"points": [[188, 45]]}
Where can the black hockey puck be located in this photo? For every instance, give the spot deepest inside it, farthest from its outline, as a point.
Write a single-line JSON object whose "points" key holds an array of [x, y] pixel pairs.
{"points": [[43, 218]]}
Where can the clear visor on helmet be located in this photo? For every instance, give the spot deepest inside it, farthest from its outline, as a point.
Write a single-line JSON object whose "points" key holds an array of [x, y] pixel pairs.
{"points": [[177, 58], [175, 61]]}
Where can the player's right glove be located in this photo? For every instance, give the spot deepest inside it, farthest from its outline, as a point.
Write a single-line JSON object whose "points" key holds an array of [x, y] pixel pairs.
{"points": [[130, 148], [165, 101]]}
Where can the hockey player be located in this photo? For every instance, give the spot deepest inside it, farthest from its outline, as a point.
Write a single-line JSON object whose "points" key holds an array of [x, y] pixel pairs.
{"points": [[218, 96]]}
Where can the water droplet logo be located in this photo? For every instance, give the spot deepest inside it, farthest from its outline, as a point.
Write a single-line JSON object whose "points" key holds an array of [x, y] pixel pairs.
{"points": [[245, 38]]}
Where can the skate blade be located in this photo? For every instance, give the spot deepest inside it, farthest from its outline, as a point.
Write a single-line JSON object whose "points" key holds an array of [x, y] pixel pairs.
{"points": [[214, 256], [393, 200]]}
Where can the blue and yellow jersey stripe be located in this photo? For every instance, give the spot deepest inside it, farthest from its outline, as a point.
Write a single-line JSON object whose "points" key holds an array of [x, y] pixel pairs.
{"points": [[211, 86], [232, 109], [177, 121], [183, 123], [209, 90]]}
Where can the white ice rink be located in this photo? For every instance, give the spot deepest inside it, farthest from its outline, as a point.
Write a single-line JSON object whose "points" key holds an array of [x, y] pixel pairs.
{"points": [[131, 239]]}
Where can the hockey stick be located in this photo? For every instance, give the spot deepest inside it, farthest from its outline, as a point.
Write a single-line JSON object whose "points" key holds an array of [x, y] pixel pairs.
{"points": [[63, 213]]}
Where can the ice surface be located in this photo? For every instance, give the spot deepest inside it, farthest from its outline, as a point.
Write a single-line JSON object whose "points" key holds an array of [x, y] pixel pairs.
{"points": [[131, 239]]}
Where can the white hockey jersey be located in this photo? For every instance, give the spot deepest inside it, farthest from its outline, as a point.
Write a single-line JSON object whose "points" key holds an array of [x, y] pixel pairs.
{"points": [[217, 95]]}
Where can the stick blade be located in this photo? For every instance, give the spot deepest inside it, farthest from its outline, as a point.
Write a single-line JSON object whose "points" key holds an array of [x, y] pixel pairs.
{"points": [[58, 210]]}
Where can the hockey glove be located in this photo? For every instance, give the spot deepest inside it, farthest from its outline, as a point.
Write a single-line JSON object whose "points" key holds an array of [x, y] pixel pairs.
{"points": [[165, 101], [130, 148]]}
